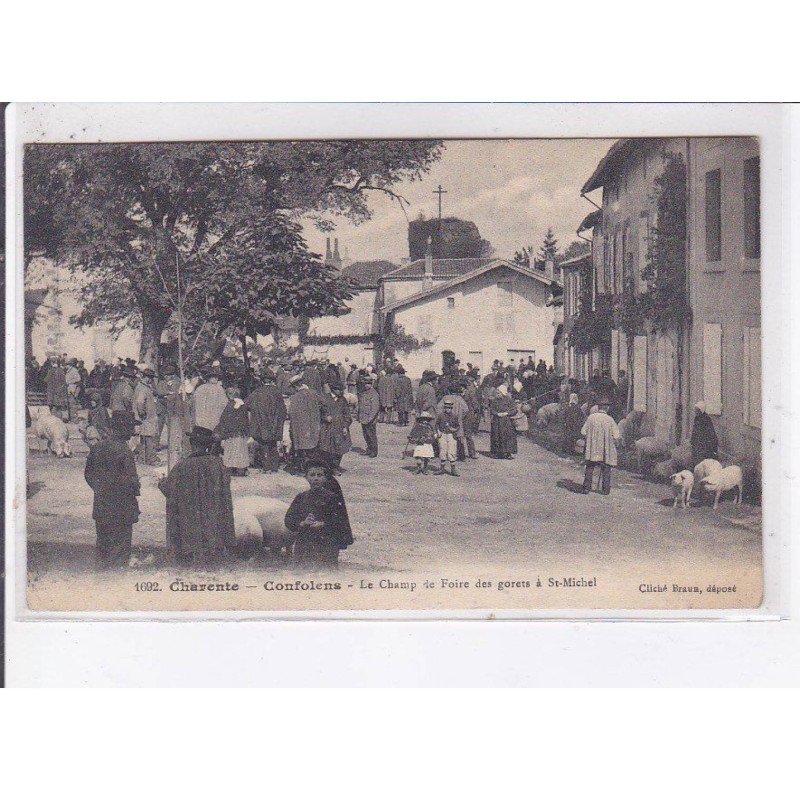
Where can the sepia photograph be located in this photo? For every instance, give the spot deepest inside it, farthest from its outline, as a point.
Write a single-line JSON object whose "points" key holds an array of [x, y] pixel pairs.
{"points": [[393, 374]]}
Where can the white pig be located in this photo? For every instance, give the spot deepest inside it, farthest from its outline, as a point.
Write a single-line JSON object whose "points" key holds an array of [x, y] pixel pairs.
{"points": [[724, 480], [54, 430], [682, 485], [263, 517]]}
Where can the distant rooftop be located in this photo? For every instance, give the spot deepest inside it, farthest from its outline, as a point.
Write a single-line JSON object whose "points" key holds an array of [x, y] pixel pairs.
{"points": [[443, 268], [366, 274]]}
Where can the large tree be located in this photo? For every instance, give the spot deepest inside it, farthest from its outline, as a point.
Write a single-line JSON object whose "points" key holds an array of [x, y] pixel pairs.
{"points": [[146, 223]]}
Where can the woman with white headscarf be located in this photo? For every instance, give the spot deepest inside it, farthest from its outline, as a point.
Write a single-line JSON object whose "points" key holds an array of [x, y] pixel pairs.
{"points": [[503, 437]]}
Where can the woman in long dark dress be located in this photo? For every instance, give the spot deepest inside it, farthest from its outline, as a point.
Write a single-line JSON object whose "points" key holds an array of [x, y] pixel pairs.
{"points": [[503, 436]]}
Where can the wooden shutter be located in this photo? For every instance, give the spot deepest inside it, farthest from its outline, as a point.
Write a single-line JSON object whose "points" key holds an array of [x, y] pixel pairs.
{"points": [[751, 388], [712, 367], [639, 373]]}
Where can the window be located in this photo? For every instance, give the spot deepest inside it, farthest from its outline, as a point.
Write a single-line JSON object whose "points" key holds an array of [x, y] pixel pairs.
{"points": [[752, 207], [751, 399], [505, 294], [712, 367], [451, 302], [714, 215]]}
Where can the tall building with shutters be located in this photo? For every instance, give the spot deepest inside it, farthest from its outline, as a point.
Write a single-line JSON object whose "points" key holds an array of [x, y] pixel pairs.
{"points": [[718, 358], [724, 256]]}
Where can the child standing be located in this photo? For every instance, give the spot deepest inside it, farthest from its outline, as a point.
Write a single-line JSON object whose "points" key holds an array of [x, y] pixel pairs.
{"points": [[447, 424], [319, 519], [423, 436]]}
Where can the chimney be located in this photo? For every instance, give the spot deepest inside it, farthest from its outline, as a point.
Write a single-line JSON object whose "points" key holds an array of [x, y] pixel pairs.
{"points": [[549, 270], [328, 255], [429, 263]]}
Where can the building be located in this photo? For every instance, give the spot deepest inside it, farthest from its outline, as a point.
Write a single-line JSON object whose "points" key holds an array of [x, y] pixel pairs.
{"points": [[575, 364], [724, 254], [51, 300], [716, 356], [352, 337], [476, 310]]}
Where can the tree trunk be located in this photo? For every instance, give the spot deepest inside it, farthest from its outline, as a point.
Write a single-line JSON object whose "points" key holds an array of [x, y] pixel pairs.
{"points": [[154, 320]]}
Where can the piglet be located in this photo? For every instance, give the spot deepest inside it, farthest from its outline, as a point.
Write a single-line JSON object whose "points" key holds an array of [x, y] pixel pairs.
{"points": [[706, 467], [682, 485]]}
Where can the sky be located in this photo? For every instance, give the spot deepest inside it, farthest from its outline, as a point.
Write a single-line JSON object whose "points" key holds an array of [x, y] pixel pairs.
{"points": [[513, 190]]}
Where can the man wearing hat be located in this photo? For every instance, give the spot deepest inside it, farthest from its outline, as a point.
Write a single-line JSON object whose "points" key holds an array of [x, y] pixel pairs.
{"points": [[122, 393], [369, 407], [305, 419], [465, 441], [176, 411], [199, 504], [209, 399], [601, 434], [111, 472], [267, 414], [403, 395], [146, 411]]}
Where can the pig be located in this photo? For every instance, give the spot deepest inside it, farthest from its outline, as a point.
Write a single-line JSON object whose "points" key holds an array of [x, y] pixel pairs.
{"points": [[54, 430], [682, 485], [547, 413], [706, 467], [263, 517], [649, 449], [723, 480]]}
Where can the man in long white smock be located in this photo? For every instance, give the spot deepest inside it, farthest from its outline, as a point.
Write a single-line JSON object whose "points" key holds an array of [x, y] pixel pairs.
{"points": [[601, 434]]}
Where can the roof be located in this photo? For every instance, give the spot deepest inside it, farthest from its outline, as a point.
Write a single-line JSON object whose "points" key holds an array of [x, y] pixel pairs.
{"points": [[443, 268], [610, 163], [578, 261], [491, 263], [591, 221], [367, 273]]}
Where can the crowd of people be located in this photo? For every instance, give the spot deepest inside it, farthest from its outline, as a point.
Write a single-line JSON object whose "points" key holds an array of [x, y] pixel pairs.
{"points": [[297, 414]]}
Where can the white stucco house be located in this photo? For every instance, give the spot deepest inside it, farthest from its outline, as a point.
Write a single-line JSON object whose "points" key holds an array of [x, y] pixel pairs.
{"points": [[477, 309]]}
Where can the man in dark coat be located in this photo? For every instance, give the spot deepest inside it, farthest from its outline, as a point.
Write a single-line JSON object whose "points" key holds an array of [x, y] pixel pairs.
{"points": [[312, 377], [56, 385], [305, 419], [199, 504], [111, 472], [404, 395], [267, 415], [704, 438], [369, 407]]}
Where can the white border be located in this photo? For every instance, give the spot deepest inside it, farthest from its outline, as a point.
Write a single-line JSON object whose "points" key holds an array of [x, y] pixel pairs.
{"points": [[108, 122]]}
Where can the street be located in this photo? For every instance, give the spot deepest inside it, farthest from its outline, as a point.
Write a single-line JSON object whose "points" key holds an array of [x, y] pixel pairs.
{"points": [[517, 520]]}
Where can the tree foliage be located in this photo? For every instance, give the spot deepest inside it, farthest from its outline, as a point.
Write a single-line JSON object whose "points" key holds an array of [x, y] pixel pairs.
{"points": [[149, 224], [549, 248], [459, 239]]}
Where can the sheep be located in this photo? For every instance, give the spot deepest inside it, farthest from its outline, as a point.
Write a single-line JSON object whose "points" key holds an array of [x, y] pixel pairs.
{"points": [[706, 467], [547, 414], [54, 430], [663, 469], [681, 457], [263, 517], [682, 485], [723, 480], [649, 448]]}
